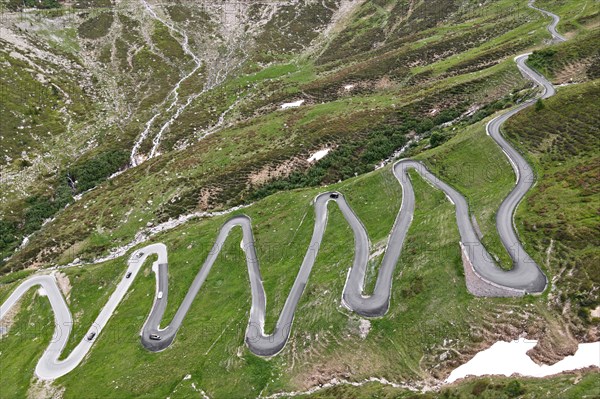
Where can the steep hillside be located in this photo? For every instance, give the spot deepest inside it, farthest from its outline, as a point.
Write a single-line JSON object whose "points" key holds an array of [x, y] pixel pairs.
{"points": [[147, 122], [366, 109], [560, 218], [433, 323], [91, 88]]}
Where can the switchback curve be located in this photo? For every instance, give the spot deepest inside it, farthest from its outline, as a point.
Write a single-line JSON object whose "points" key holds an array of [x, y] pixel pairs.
{"points": [[525, 276]]}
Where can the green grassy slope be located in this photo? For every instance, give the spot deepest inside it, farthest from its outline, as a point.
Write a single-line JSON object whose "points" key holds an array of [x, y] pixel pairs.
{"points": [[570, 62], [405, 79], [201, 177], [577, 16], [429, 300], [577, 60], [430, 62], [223, 328], [561, 215], [430, 304]]}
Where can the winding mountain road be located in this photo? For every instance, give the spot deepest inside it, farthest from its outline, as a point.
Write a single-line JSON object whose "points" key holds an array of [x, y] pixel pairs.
{"points": [[557, 37], [525, 276]]}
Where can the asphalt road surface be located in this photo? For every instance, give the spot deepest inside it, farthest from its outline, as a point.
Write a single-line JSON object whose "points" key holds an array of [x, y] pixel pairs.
{"points": [[552, 27], [525, 276]]}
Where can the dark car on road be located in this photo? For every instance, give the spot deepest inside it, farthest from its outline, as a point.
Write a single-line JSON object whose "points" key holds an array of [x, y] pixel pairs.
{"points": [[128, 275], [334, 195], [155, 337]]}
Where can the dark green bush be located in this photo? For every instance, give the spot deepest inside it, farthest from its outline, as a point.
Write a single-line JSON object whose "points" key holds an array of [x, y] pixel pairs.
{"points": [[96, 27], [542, 59], [539, 104], [16, 5], [514, 389], [436, 139], [89, 173], [8, 234]]}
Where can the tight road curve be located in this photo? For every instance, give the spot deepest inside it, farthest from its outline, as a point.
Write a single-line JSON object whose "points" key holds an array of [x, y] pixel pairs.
{"points": [[524, 277]]}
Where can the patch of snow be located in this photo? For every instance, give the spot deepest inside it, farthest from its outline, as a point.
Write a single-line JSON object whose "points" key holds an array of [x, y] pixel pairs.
{"points": [[508, 358], [292, 104], [596, 312], [42, 292], [25, 242], [318, 155], [348, 87]]}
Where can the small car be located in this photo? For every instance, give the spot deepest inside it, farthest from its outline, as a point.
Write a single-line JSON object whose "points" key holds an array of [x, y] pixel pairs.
{"points": [[334, 195], [140, 254], [159, 296], [155, 337], [91, 336], [128, 275]]}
